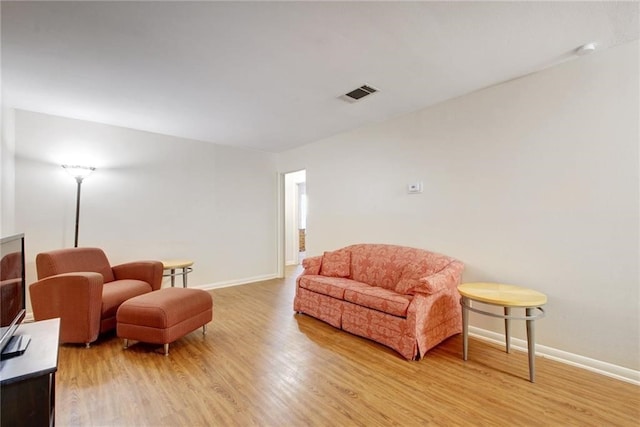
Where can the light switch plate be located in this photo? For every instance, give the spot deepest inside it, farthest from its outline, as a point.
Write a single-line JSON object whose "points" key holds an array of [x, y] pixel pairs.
{"points": [[414, 187]]}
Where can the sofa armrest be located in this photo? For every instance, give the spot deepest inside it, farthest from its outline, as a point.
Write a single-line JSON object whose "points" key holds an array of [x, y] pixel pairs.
{"points": [[448, 277], [147, 271], [76, 298], [312, 265]]}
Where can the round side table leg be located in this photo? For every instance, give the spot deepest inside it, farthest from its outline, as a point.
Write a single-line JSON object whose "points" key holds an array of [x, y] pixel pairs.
{"points": [[173, 277], [531, 345], [465, 328], [184, 277], [507, 328]]}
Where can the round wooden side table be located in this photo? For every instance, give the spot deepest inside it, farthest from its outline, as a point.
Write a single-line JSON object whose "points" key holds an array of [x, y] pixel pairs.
{"points": [[508, 297], [173, 265]]}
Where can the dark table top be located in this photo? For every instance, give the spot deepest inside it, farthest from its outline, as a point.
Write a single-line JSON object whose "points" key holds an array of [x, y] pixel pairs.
{"points": [[40, 357]]}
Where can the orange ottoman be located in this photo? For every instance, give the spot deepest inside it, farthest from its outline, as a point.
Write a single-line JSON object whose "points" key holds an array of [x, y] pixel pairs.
{"points": [[163, 316]]}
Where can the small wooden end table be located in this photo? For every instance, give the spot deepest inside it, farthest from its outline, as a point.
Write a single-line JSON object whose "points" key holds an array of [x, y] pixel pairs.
{"points": [[508, 297], [173, 265]]}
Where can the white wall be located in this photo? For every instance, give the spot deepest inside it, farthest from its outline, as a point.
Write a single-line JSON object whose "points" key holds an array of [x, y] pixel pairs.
{"points": [[532, 182], [7, 173], [151, 197]]}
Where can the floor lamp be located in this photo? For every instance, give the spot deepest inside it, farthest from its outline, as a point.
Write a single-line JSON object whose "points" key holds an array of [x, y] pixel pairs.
{"points": [[79, 173]]}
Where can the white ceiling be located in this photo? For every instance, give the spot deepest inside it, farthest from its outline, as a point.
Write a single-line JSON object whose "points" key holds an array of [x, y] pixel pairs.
{"points": [[268, 75]]}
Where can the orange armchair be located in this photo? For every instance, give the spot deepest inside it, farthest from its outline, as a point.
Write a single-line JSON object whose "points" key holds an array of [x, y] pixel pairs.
{"points": [[79, 286], [10, 286]]}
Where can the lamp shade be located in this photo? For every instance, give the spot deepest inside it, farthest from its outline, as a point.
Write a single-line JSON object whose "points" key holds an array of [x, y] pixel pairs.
{"points": [[78, 172]]}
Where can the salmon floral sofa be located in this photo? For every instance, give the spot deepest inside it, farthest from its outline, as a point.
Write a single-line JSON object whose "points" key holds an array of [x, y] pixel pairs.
{"points": [[404, 298]]}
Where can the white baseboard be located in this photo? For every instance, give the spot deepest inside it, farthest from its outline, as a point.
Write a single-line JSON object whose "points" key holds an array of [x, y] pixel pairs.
{"points": [[228, 283], [597, 366]]}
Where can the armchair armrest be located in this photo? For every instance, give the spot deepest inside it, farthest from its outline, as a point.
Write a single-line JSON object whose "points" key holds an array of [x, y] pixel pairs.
{"points": [[147, 271], [312, 265], [76, 298], [448, 277]]}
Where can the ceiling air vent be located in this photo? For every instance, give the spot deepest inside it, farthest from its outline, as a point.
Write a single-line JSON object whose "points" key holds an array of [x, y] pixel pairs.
{"points": [[358, 94]]}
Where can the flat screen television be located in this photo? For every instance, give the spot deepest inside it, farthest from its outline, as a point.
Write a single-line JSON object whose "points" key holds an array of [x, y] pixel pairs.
{"points": [[12, 295]]}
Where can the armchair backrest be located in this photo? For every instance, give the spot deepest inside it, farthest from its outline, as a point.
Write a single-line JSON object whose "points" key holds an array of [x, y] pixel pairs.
{"points": [[73, 260], [11, 266]]}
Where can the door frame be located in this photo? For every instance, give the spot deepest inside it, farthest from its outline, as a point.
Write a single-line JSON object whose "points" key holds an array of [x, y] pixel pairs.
{"points": [[281, 230]]}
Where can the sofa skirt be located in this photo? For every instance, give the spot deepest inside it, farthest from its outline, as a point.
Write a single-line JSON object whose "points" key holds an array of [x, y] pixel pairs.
{"points": [[386, 329], [320, 306], [392, 331]]}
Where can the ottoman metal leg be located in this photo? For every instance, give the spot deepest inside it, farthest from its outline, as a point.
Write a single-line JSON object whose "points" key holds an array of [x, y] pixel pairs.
{"points": [[126, 343], [166, 349], [204, 329]]}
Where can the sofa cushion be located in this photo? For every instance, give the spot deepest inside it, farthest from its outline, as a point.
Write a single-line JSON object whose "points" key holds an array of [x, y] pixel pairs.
{"points": [[116, 292], [336, 264], [414, 271], [379, 264], [397, 268], [379, 299], [331, 286]]}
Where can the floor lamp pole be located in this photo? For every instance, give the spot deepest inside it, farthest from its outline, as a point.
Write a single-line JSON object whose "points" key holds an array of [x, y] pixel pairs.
{"points": [[79, 181], [79, 173]]}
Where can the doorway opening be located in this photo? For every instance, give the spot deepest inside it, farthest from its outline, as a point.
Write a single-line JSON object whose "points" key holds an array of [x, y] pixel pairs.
{"points": [[295, 217]]}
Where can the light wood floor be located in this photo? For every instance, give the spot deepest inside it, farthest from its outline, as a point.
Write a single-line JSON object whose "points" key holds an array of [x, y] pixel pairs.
{"points": [[261, 365]]}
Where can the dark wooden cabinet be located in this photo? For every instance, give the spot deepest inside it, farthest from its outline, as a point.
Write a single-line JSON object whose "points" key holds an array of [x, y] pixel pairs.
{"points": [[28, 381]]}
